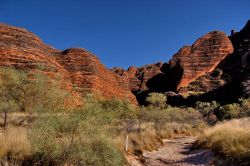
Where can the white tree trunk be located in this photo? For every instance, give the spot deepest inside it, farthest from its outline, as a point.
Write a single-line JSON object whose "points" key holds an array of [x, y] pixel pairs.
{"points": [[126, 145]]}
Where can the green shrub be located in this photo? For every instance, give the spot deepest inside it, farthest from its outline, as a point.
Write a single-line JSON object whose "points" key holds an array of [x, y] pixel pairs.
{"points": [[170, 115], [114, 108], [74, 139], [42, 93], [29, 92], [206, 108], [245, 104], [230, 111], [157, 100], [11, 90]]}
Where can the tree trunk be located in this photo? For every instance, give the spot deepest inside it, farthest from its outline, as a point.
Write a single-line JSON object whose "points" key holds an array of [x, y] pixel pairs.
{"points": [[156, 127], [30, 118], [5, 120], [126, 145], [139, 126]]}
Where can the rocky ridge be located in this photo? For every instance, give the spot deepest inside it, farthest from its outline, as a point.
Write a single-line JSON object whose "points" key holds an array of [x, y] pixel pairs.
{"points": [[214, 65], [80, 70]]}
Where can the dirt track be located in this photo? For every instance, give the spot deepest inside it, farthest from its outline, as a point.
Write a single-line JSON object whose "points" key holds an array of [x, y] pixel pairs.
{"points": [[175, 152]]}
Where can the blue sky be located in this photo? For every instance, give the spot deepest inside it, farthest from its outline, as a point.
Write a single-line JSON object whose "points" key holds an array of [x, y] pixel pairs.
{"points": [[125, 32]]}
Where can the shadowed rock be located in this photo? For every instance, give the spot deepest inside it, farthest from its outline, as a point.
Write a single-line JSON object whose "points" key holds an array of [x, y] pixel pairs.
{"points": [[202, 57]]}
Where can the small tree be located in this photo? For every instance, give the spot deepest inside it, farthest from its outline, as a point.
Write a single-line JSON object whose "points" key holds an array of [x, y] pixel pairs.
{"points": [[29, 92], [11, 82], [157, 100], [42, 94]]}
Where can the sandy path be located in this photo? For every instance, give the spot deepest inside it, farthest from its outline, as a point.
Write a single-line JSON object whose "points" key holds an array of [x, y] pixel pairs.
{"points": [[176, 152]]}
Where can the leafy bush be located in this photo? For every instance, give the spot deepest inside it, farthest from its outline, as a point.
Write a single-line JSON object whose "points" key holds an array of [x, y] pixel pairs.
{"points": [[157, 100], [229, 111], [114, 108]]}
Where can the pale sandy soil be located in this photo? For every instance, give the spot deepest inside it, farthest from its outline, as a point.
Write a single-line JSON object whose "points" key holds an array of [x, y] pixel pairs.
{"points": [[175, 152]]}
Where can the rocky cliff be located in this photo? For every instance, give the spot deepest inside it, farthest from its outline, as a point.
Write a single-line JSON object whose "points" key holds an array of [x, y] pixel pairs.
{"points": [[230, 79], [80, 69], [136, 79], [191, 69], [214, 67], [202, 57], [88, 74]]}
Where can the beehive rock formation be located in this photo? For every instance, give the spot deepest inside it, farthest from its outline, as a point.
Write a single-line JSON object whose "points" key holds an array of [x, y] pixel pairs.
{"points": [[22, 49], [192, 65], [89, 75], [202, 57], [231, 78], [80, 69], [215, 64], [136, 79]]}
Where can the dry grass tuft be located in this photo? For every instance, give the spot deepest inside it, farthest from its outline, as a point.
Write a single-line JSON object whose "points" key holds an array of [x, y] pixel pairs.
{"points": [[229, 139], [173, 129], [14, 143], [145, 140]]}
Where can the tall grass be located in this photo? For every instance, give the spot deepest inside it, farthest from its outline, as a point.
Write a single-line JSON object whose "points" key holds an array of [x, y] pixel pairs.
{"points": [[14, 144], [230, 139]]}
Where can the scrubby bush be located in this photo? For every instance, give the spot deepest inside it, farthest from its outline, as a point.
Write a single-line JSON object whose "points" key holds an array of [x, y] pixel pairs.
{"points": [[245, 104], [74, 139], [206, 108], [157, 100], [42, 93], [11, 90], [170, 115], [156, 124], [29, 92], [116, 109], [230, 111]]}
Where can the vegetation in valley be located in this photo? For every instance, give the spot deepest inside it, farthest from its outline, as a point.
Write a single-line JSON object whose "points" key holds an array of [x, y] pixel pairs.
{"points": [[229, 138], [40, 128]]}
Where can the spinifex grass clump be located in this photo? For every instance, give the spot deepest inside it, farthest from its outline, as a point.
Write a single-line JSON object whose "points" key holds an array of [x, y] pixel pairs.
{"points": [[230, 139]]}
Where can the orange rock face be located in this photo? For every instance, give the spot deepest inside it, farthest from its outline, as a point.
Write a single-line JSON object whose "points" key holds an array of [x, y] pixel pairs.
{"points": [[202, 57], [192, 68], [136, 79], [89, 75], [80, 69], [187, 65]]}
